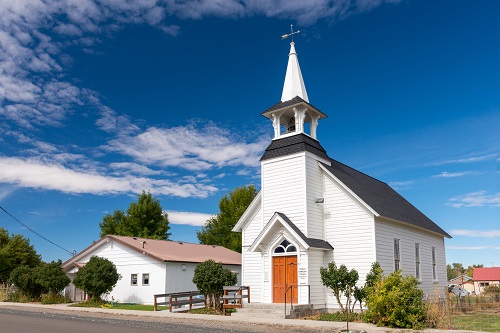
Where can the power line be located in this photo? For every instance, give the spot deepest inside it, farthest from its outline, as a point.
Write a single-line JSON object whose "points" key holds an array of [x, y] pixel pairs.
{"points": [[36, 233]]}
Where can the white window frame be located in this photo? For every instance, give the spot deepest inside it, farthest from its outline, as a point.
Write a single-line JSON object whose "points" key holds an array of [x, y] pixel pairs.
{"points": [[132, 279], [397, 254], [417, 261], [143, 276], [433, 255]]}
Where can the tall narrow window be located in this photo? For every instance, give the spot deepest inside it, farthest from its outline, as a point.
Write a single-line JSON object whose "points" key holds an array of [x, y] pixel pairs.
{"points": [[434, 275], [417, 260], [397, 256]]}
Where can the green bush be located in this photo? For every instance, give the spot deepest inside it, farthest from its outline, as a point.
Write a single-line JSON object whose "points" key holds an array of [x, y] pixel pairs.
{"points": [[52, 298], [397, 301], [97, 277], [25, 279], [209, 277]]}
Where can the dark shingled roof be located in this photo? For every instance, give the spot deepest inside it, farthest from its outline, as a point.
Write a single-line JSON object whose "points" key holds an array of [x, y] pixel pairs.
{"points": [[293, 144], [312, 242], [382, 198], [293, 101]]}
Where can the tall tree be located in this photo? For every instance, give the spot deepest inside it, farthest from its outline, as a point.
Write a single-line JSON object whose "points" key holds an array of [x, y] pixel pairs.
{"points": [[217, 230], [144, 218], [470, 269], [15, 251]]}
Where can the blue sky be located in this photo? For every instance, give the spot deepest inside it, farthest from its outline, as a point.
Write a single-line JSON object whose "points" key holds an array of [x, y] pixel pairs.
{"points": [[100, 100]]}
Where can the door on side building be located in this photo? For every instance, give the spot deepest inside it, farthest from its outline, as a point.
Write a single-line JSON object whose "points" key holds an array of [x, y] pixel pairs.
{"points": [[284, 277]]}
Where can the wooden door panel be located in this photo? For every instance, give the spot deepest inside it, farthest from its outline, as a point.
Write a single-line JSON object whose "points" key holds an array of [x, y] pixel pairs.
{"points": [[284, 275]]}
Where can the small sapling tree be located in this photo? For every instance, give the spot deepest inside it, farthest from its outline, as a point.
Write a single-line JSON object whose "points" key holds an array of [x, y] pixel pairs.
{"points": [[97, 277], [341, 281], [209, 277]]}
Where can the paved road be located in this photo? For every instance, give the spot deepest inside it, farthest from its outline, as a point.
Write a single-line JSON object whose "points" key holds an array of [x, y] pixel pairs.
{"points": [[22, 321]]}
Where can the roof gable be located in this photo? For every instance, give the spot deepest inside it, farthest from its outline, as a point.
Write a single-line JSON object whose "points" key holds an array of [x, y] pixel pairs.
{"points": [[381, 198], [282, 219]]}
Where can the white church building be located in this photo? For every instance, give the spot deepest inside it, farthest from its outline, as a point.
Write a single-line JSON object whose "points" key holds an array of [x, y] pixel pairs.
{"points": [[328, 212]]}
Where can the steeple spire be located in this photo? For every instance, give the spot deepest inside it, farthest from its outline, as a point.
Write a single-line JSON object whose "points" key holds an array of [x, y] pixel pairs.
{"points": [[294, 83]]}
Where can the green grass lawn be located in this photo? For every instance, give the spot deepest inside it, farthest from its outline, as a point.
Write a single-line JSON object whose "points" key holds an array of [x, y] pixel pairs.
{"points": [[477, 322], [121, 306], [137, 307]]}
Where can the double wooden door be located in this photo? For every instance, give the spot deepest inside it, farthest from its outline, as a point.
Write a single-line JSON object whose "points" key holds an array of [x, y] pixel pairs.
{"points": [[284, 276]]}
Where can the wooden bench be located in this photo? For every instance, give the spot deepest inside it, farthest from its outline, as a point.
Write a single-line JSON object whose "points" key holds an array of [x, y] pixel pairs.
{"points": [[233, 297], [180, 299]]}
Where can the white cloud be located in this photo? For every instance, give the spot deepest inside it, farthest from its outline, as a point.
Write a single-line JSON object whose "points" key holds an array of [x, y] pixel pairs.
{"points": [[188, 147], [445, 174], [475, 199], [33, 173], [472, 159], [475, 233], [397, 185], [188, 218]]}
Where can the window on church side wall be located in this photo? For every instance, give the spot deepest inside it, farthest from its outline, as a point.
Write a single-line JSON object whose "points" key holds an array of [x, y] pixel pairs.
{"points": [[397, 257], [285, 247]]}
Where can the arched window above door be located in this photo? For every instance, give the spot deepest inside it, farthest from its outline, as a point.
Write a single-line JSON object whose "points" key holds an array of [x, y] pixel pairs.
{"points": [[285, 247]]}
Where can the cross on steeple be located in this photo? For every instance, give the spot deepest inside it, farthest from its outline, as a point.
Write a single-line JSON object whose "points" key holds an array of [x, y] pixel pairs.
{"points": [[285, 36]]}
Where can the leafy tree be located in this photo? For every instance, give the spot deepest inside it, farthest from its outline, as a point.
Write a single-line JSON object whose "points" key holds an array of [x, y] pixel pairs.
{"points": [[341, 281], [15, 251], [25, 278], [217, 230], [470, 269], [144, 218], [97, 277], [397, 302], [450, 273], [52, 278], [209, 277]]}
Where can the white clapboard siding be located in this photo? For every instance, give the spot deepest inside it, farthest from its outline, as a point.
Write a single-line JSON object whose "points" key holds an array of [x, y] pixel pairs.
{"points": [[387, 231], [349, 228], [128, 262], [316, 259], [314, 185], [283, 188], [252, 274]]}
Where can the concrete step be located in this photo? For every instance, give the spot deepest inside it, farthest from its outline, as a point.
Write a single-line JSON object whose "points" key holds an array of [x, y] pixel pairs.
{"points": [[262, 310]]}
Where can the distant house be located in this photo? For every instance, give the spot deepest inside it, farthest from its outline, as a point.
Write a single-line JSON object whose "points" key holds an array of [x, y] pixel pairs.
{"points": [[149, 266], [484, 277], [463, 280]]}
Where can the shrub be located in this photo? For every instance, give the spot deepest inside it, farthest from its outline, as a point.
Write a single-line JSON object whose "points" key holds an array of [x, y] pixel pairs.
{"points": [[397, 301], [341, 281], [209, 277], [52, 298], [97, 277], [52, 278], [25, 279], [341, 316]]}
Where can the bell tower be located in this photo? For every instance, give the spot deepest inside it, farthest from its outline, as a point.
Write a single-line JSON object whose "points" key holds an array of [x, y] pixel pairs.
{"points": [[294, 115]]}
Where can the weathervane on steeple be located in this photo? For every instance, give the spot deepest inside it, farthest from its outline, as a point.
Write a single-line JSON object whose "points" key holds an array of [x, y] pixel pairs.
{"points": [[285, 36]]}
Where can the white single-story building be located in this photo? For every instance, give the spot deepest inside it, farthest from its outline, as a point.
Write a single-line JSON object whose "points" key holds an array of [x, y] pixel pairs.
{"points": [[312, 210], [150, 266]]}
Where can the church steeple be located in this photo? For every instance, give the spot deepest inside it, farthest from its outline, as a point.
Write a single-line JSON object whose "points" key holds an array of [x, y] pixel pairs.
{"points": [[294, 83], [294, 115]]}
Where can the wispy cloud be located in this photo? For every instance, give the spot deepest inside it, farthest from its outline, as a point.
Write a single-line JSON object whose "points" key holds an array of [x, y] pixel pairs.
{"points": [[188, 147], [483, 247], [475, 233], [472, 159], [475, 199], [397, 185], [36, 174], [188, 218], [446, 174]]}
